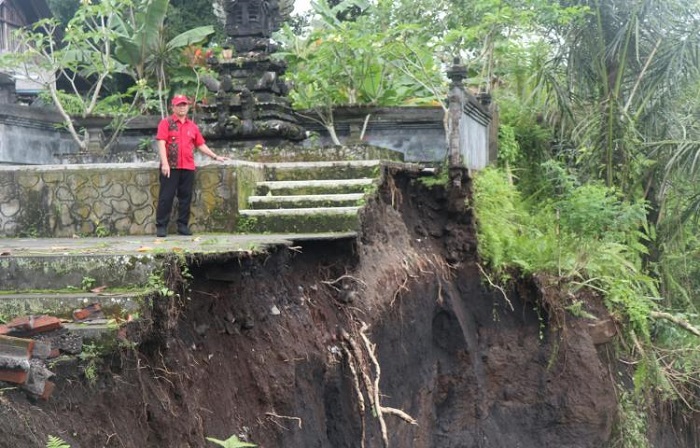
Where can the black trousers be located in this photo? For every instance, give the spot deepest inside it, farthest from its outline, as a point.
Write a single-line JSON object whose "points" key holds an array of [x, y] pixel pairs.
{"points": [[179, 183]]}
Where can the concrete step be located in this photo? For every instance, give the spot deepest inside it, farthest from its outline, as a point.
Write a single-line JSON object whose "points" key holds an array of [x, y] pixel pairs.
{"points": [[63, 304], [301, 220], [322, 170], [305, 201], [76, 271], [92, 331], [313, 187]]}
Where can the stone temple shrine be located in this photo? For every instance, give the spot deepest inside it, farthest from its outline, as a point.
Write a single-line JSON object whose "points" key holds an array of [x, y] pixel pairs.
{"points": [[251, 98]]}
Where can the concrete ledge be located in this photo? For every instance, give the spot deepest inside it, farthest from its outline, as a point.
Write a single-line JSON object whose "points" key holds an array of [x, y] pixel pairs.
{"points": [[305, 201], [303, 211], [92, 331], [322, 170], [79, 272], [309, 187], [63, 304], [329, 219]]}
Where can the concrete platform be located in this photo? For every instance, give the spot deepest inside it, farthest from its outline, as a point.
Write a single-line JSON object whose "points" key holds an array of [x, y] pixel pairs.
{"points": [[138, 245], [57, 275]]}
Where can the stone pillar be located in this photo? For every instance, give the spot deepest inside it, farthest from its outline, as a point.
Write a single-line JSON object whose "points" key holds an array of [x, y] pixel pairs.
{"points": [[457, 73], [8, 91], [492, 108]]}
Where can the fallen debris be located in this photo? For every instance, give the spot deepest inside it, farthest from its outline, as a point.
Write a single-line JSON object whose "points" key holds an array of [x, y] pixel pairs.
{"points": [[20, 365], [22, 357], [90, 312], [31, 325]]}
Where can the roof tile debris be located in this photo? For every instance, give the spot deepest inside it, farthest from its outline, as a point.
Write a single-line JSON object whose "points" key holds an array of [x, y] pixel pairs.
{"points": [[26, 342], [31, 325]]}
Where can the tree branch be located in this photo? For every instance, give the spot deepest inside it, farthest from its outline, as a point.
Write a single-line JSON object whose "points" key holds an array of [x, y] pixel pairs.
{"points": [[676, 320]]}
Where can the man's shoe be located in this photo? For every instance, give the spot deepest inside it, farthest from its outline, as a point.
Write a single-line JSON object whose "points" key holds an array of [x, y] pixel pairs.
{"points": [[184, 231], [160, 232]]}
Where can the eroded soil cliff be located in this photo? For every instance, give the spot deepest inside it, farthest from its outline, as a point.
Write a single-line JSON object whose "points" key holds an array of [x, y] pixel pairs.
{"points": [[341, 344]]}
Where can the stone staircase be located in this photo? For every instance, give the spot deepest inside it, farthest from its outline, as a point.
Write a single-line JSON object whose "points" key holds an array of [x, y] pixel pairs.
{"points": [[310, 197]]}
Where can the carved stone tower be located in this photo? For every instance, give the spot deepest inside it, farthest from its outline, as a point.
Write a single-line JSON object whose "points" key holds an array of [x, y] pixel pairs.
{"points": [[251, 98]]}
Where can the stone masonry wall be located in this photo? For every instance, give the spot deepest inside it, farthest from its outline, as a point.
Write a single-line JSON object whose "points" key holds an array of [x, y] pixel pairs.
{"points": [[113, 199]]}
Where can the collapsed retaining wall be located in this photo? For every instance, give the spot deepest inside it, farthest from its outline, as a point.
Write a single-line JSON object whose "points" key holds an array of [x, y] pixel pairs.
{"points": [[115, 199]]}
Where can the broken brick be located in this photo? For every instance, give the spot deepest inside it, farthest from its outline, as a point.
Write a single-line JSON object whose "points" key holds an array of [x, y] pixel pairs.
{"points": [[21, 323], [14, 376], [31, 325], [4, 329], [14, 369], [92, 311], [16, 347], [48, 390]]}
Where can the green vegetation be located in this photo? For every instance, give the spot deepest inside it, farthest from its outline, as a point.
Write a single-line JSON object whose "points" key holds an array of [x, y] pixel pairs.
{"points": [[87, 283], [247, 224], [358, 62], [632, 424], [598, 149], [156, 283], [55, 442], [441, 178], [231, 442], [585, 235], [92, 359], [102, 44]]}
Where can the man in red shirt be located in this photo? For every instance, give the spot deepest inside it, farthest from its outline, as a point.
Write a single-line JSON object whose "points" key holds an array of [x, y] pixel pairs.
{"points": [[177, 138]]}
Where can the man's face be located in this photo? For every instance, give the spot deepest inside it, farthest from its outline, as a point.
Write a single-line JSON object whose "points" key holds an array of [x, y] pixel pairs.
{"points": [[181, 109]]}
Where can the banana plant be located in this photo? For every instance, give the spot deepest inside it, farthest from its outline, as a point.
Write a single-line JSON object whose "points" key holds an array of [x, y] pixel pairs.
{"points": [[142, 44]]}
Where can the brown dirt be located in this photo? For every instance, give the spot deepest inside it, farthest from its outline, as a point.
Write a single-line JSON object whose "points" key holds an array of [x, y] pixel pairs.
{"points": [[262, 347]]}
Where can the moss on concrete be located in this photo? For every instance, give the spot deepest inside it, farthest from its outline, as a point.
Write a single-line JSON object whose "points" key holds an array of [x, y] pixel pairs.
{"points": [[311, 223], [246, 179], [340, 171]]}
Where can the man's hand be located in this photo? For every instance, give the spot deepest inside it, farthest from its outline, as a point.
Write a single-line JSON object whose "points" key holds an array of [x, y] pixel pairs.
{"points": [[165, 169], [220, 158]]}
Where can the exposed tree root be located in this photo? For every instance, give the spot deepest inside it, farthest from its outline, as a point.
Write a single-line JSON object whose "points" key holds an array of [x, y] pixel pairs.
{"points": [[369, 347], [358, 393], [272, 415], [356, 357], [488, 279]]}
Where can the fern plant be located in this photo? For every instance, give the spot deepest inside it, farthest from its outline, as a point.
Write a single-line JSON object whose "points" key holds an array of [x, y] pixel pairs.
{"points": [[231, 442], [582, 233], [55, 442]]}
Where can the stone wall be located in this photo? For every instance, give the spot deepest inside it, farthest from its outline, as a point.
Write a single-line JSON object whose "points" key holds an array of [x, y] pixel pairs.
{"points": [[34, 136], [418, 133], [114, 199], [31, 135]]}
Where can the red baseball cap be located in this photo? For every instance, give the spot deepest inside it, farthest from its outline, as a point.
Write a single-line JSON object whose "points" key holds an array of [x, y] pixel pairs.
{"points": [[180, 99]]}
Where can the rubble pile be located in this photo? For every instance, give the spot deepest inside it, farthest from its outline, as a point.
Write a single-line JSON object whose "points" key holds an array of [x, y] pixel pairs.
{"points": [[27, 342]]}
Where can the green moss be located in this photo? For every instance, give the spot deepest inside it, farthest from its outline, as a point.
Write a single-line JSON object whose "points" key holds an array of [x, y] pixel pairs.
{"points": [[311, 223], [341, 171], [441, 179], [246, 183], [33, 221], [247, 224]]}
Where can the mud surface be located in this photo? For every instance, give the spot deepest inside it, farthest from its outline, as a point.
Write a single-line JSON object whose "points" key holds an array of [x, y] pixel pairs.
{"points": [[308, 346]]}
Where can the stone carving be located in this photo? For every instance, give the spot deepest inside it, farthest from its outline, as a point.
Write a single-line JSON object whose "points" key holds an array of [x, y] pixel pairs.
{"points": [[251, 101]]}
